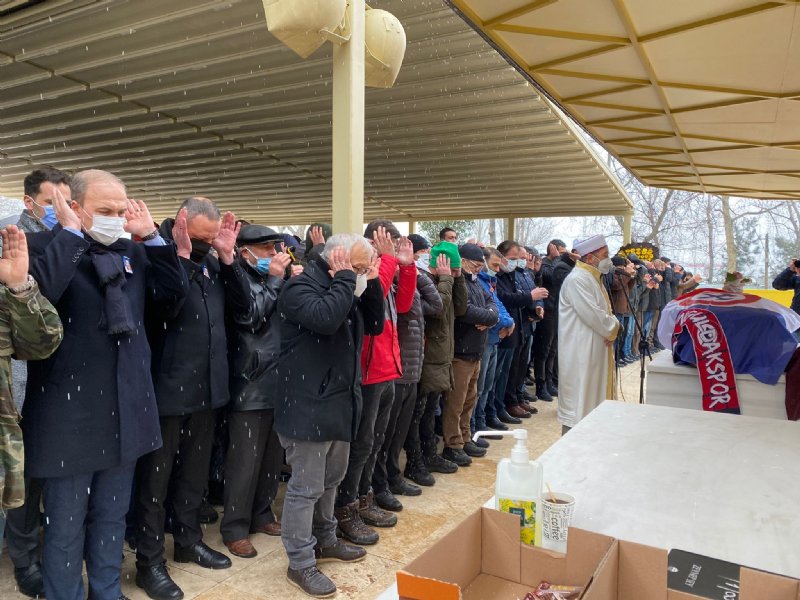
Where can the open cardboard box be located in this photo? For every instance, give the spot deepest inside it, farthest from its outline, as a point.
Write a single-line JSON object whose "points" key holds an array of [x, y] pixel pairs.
{"points": [[637, 572], [483, 559]]}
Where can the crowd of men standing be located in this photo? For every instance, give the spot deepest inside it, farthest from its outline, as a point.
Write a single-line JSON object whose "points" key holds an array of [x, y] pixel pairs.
{"points": [[150, 347]]}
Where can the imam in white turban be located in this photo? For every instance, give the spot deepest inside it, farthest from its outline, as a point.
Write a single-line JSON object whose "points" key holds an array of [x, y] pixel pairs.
{"points": [[590, 245]]}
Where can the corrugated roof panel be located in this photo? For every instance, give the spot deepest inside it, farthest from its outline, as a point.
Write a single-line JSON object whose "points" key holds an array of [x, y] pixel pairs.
{"points": [[195, 97]]}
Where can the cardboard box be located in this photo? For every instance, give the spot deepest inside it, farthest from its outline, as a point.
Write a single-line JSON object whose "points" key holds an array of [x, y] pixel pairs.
{"points": [[483, 559], [637, 572]]}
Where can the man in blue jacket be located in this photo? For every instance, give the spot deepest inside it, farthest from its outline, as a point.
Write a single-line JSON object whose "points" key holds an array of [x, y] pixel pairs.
{"points": [[788, 279], [485, 414]]}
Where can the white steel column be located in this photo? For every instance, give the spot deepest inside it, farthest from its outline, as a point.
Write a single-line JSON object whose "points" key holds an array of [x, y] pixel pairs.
{"points": [[627, 227], [348, 125]]}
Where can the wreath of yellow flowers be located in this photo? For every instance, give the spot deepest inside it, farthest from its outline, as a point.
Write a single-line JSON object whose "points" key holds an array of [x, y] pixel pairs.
{"points": [[645, 251]]}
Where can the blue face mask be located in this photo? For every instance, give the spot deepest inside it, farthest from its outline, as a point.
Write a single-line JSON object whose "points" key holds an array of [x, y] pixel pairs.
{"points": [[262, 265], [49, 218]]}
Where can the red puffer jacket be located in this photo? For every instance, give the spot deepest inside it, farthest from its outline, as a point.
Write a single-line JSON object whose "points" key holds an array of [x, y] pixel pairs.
{"points": [[380, 356]]}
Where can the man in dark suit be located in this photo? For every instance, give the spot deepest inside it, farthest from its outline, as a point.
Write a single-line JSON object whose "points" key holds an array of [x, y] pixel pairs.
{"points": [[325, 313], [190, 375], [90, 408]]}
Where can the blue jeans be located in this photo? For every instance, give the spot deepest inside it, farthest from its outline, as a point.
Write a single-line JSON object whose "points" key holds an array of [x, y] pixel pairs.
{"points": [[647, 322], [85, 520], [630, 327], [504, 358], [485, 388]]}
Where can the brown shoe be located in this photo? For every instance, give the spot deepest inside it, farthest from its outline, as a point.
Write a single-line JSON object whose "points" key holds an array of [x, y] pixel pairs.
{"points": [[518, 411], [352, 527], [241, 548], [374, 515], [273, 528]]}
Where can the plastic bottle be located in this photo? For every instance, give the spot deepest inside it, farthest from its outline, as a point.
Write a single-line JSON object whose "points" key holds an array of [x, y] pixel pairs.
{"points": [[518, 487]]}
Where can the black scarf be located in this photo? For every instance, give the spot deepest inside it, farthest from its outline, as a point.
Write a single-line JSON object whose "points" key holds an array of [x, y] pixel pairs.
{"points": [[117, 318]]}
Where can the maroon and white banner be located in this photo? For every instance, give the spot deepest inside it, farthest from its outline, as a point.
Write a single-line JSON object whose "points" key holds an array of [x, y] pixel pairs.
{"points": [[714, 363]]}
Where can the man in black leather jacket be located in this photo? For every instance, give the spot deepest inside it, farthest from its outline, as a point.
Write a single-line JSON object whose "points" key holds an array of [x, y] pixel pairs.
{"points": [[254, 456]]}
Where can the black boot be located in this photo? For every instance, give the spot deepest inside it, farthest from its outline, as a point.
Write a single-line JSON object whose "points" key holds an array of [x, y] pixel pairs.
{"points": [[30, 580]]}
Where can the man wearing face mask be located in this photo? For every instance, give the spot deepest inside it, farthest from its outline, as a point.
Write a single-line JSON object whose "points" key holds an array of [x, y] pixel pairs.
{"points": [[190, 374], [422, 252], [356, 507], [90, 408], [254, 456], [22, 529], [587, 329], [470, 335], [323, 322]]}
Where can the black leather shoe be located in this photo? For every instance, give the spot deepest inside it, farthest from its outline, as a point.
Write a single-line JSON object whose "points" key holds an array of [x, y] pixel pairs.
{"points": [[420, 475], [504, 417], [496, 424], [157, 583], [457, 456], [202, 555], [482, 443], [403, 488], [552, 390], [387, 501], [472, 449], [437, 464], [30, 580]]}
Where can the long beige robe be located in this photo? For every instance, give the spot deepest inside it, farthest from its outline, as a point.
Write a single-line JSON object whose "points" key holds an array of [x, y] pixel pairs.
{"points": [[585, 363]]}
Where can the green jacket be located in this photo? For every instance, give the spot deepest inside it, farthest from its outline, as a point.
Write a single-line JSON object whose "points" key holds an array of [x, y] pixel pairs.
{"points": [[437, 366], [30, 330]]}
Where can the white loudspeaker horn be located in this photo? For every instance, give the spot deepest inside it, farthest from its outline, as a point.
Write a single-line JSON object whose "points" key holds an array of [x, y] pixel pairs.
{"points": [[298, 23], [385, 41]]}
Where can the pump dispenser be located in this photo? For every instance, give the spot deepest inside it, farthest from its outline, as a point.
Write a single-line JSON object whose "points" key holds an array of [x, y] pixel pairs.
{"points": [[518, 487]]}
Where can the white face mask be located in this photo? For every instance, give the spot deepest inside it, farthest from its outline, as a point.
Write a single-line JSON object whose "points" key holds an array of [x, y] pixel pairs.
{"points": [[424, 260], [605, 266], [361, 285], [107, 230]]}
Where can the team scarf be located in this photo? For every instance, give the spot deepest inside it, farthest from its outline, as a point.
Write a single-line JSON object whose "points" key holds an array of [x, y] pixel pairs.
{"points": [[714, 363]]}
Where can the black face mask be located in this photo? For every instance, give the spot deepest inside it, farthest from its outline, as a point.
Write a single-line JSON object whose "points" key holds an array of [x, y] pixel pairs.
{"points": [[200, 250]]}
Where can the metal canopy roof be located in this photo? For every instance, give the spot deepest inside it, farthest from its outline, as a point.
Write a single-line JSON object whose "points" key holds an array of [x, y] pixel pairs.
{"points": [[700, 95], [196, 97]]}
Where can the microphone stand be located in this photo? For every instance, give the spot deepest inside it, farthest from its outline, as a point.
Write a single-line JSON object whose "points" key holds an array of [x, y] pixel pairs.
{"points": [[644, 348]]}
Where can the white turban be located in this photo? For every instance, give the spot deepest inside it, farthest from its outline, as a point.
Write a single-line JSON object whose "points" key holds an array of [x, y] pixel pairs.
{"points": [[590, 245]]}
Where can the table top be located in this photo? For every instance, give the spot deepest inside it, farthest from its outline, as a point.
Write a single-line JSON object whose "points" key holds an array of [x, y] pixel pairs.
{"points": [[721, 485]]}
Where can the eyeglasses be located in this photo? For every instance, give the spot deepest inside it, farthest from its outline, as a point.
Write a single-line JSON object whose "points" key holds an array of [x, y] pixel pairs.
{"points": [[363, 271]]}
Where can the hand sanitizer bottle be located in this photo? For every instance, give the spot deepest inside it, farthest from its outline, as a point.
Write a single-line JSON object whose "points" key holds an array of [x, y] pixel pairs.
{"points": [[518, 487]]}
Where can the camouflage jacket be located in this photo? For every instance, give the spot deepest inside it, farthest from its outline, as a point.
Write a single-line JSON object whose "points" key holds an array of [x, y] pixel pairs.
{"points": [[31, 330]]}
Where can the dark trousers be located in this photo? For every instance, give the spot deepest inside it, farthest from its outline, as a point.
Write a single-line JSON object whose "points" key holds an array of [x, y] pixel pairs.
{"points": [[413, 445], [252, 472], [516, 373], [180, 466], [22, 527], [387, 467], [85, 521], [505, 356], [378, 399], [543, 339], [427, 441]]}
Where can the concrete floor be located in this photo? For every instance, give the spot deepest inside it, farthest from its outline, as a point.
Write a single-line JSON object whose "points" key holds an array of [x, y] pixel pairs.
{"points": [[423, 521]]}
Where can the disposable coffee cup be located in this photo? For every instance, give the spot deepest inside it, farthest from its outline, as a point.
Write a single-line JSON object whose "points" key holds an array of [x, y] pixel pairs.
{"points": [[556, 517]]}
